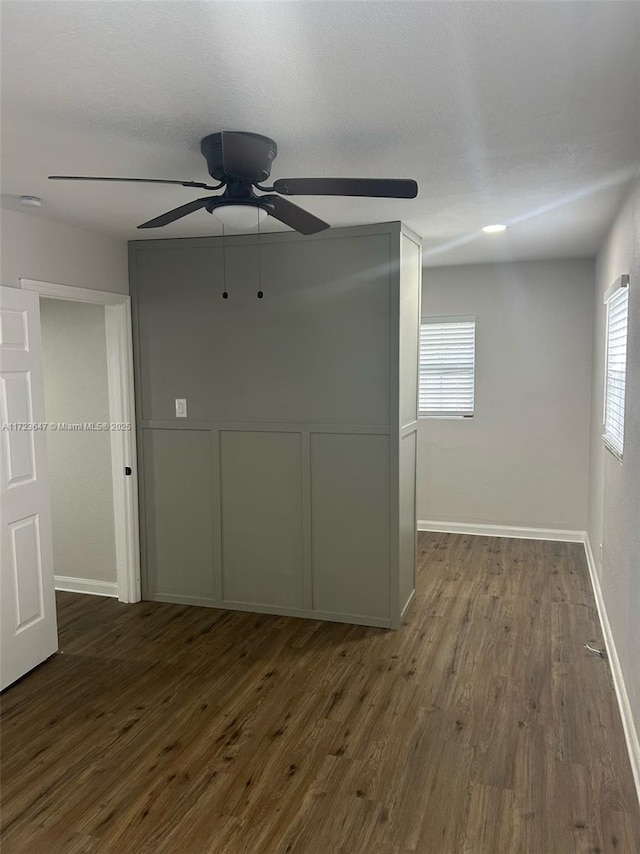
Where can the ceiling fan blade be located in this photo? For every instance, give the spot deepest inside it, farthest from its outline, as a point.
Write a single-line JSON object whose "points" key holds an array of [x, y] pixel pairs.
{"points": [[244, 154], [135, 181], [177, 213], [389, 188], [293, 216]]}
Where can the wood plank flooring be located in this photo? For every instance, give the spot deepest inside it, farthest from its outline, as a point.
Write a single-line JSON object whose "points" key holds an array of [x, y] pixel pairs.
{"points": [[481, 727]]}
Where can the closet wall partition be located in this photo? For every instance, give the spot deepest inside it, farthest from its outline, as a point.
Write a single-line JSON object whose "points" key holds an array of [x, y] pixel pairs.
{"points": [[289, 487]]}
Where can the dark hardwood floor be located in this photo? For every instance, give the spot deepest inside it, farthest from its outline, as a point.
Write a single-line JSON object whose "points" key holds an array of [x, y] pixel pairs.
{"points": [[481, 727]]}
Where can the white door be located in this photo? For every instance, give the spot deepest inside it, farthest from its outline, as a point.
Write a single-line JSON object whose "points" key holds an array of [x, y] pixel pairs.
{"points": [[28, 631]]}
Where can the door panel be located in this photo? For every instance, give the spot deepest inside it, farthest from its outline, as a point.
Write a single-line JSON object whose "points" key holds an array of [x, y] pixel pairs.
{"points": [[13, 329], [28, 630], [27, 572], [20, 447]]}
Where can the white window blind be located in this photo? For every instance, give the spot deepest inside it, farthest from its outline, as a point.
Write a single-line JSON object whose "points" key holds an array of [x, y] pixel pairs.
{"points": [[616, 369], [447, 366]]}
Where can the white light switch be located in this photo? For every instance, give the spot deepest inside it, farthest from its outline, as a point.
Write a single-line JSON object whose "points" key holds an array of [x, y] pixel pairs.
{"points": [[181, 407]]}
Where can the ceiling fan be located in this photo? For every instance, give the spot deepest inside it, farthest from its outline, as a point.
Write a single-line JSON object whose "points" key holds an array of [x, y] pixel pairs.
{"points": [[240, 161]]}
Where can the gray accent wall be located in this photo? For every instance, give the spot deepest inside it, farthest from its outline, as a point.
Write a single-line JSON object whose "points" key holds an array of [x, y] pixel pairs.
{"points": [[261, 483], [350, 523], [283, 490], [314, 350], [178, 510]]}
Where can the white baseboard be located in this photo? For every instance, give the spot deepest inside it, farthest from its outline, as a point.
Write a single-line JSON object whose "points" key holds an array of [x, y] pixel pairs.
{"points": [[630, 732], [86, 585], [475, 529]]}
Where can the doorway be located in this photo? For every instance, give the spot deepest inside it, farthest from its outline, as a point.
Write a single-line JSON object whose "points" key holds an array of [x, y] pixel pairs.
{"points": [[79, 459], [91, 454]]}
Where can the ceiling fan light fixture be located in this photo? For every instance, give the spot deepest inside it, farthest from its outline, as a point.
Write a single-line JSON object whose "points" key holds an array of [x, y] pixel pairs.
{"points": [[240, 216]]}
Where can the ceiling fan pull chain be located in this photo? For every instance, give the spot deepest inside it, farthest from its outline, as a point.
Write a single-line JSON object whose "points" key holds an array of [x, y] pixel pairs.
{"points": [[260, 291], [225, 292]]}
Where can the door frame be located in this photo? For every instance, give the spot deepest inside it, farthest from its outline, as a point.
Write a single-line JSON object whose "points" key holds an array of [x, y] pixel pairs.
{"points": [[118, 330]]}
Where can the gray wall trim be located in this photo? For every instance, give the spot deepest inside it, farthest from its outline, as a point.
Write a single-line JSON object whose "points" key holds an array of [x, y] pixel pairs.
{"points": [[395, 273], [390, 228], [332, 617], [307, 568], [264, 426], [411, 234], [408, 603], [217, 515]]}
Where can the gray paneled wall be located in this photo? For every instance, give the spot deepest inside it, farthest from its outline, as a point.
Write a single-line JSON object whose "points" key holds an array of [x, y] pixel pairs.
{"points": [[314, 350], [350, 523], [178, 511], [261, 482], [281, 491]]}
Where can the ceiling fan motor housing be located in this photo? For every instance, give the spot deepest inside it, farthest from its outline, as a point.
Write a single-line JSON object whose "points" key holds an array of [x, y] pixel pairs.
{"points": [[254, 151]]}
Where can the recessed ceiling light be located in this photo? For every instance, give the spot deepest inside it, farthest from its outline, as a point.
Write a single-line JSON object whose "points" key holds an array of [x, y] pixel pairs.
{"points": [[31, 201], [494, 229]]}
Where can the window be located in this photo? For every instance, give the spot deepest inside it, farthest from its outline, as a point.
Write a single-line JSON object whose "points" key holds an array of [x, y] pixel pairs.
{"points": [[447, 366], [617, 301]]}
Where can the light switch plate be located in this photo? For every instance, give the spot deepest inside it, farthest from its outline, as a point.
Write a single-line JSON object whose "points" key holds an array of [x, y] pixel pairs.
{"points": [[181, 407]]}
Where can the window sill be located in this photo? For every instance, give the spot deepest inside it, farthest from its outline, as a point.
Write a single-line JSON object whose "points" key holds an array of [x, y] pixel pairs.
{"points": [[611, 448], [445, 417]]}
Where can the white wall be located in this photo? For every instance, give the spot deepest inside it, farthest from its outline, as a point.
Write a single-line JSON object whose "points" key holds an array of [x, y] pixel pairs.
{"points": [[614, 502], [523, 458], [34, 247], [79, 463]]}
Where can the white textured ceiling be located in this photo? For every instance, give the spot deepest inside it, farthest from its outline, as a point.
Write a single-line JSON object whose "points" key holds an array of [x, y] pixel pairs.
{"points": [[523, 113]]}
